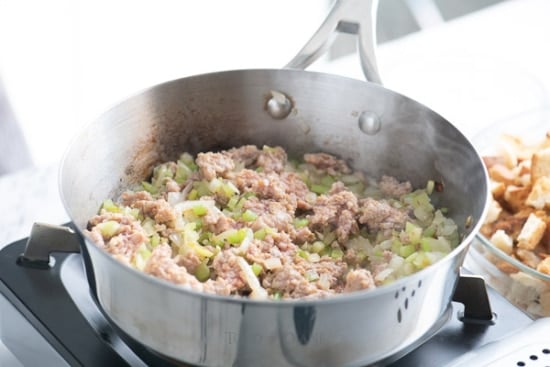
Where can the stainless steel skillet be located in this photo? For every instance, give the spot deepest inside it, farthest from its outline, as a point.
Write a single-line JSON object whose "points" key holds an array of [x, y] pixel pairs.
{"points": [[375, 129]]}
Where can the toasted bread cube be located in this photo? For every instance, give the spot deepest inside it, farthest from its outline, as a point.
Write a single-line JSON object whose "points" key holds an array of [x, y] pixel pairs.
{"points": [[515, 196], [524, 180], [508, 148], [540, 165], [531, 232], [493, 211], [497, 189], [502, 241], [524, 167], [544, 266], [501, 173], [539, 197]]}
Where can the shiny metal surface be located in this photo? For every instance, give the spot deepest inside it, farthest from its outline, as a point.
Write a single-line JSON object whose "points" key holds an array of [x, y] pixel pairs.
{"points": [[356, 17], [374, 129], [226, 109]]}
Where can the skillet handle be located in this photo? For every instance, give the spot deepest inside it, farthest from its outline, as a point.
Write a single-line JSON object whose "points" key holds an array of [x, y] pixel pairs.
{"points": [[45, 239], [346, 16]]}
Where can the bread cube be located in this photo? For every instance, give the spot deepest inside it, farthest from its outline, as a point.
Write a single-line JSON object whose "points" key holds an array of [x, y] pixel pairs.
{"points": [[539, 197], [531, 232], [540, 165]]}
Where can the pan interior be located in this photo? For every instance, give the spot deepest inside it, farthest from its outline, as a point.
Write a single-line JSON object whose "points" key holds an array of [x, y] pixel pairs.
{"points": [[227, 109]]}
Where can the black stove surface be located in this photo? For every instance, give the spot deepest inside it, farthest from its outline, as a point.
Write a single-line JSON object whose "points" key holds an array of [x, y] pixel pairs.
{"points": [[56, 304]]}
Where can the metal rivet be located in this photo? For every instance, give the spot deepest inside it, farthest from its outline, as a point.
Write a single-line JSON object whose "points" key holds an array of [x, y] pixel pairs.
{"points": [[369, 122], [279, 105]]}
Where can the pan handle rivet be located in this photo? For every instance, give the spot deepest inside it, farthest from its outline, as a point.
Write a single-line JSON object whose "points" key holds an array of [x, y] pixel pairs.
{"points": [[278, 105], [369, 122]]}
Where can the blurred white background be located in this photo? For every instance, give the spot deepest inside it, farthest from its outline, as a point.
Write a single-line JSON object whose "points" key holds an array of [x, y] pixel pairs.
{"points": [[63, 62]]}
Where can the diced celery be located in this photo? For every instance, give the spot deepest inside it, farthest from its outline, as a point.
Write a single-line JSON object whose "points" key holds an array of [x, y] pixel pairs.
{"points": [[188, 160], [429, 231], [423, 213], [140, 258], [260, 234], [256, 269], [182, 172], [199, 210], [337, 254], [439, 244], [232, 203], [300, 222], [360, 256], [277, 295], [109, 228], [357, 188], [311, 275], [327, 180], [240, 203], [162, 171], [350, 179], [319, 189], [191, 241], [147, 186], [413, 232], [396, 245], [326, 251], [425, 243], [421, 260], [202, 188], [134, 212], [229, 189], [154, 240], [193, 195], [329, 237], [236, 237], [202, 272], [303, 254], [406, 250], [110, 206], [198, 224], [249, 216], [317, 246]]}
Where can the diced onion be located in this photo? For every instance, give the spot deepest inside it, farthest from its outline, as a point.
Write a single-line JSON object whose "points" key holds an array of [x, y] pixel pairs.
{"points": [[273, 263], [258, 292]]}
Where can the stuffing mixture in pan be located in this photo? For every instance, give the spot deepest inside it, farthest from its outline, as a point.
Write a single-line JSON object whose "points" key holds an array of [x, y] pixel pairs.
{"points": [[251, 222]]}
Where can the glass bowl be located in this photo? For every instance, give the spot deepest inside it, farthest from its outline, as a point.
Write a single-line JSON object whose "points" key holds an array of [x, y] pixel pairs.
{"points": [[524, 286]]}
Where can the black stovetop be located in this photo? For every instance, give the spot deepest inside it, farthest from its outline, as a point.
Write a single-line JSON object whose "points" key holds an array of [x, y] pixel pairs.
{"points": [[55, 306]]}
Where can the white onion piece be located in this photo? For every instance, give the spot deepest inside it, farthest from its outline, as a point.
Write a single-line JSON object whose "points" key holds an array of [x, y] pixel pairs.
{"points": [[174, 198], [273, 263], [245, 244], [258, 292]]}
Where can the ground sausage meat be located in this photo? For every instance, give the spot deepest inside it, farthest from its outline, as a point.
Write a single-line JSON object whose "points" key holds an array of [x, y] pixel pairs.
{"points": [[252, 222]]}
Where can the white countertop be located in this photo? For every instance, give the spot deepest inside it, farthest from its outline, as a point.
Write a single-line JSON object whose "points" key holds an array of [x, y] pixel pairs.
{"points": [[474, 70]]}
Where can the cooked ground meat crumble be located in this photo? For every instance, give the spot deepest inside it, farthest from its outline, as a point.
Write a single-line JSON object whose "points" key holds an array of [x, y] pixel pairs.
{"points": [[251, 222]]}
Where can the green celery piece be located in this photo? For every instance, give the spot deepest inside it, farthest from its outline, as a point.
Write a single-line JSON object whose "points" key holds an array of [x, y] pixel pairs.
{"points": [[319, 189], [249, 216], [256, 268], [202, 272]]}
